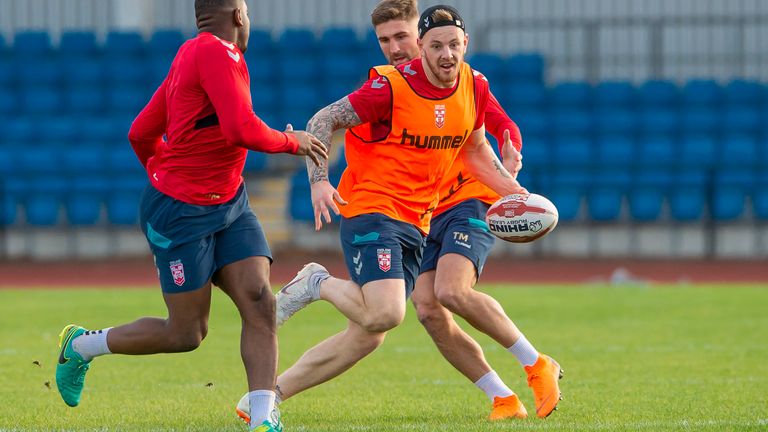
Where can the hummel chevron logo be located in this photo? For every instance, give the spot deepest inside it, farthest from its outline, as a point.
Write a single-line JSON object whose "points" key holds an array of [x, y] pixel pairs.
{"points": [[234, 56], [356, 259], [376, 84], [358, 269], [228, 45]]}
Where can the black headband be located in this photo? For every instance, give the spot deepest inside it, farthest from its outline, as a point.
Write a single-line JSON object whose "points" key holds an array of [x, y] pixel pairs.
{"points": [[426, 24]]}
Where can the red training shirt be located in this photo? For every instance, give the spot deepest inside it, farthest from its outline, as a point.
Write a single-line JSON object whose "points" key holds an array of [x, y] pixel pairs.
{"points": [[204, 109]]}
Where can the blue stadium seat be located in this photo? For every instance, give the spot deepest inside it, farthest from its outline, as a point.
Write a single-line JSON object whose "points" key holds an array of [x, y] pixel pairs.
{"points": [[165, 43], [658, 152], [536, 153], [42, 100], [265, 97], [8, 101], [610, 94], [260, 43], [121, 44], [491, 65], [31, 44], [297, 42], [702, 92], [95, 131], [37, 161], [43, 199], [646, 198], [697, 150], [742, 119], [127, 71], [571, 94], [688, 197], [523, 96], [659, 122], [343, 69], [81, 160], [658, 93], [122, 159], [57, 129], [19, 130], [569, 151], [78, 43], [126, 99], [616, 152], [532, 123], [158, 70], [81, 71], [38, 71], [123, 199], [300, 207], [302, 98], [731, 190], [615, 121], [298, 69], [566, 191], [738, 150], [84, 199], [572, 122], [606, 195], [7, 73], [84, 100], [700, 120], [760, 196], [339, 40], [256, 161], [525, 67], [743, 92], [263, 68]]}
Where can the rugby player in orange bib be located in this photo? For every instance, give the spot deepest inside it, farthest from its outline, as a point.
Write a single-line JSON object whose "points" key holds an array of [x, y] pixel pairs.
{"points": [[407, 125], [457, 247]]}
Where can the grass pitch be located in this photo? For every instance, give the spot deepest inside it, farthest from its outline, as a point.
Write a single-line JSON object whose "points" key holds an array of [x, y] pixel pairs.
{"points": [[660, 358]]}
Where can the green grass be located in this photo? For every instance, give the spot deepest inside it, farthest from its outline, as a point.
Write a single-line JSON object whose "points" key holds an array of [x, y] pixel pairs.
{"points": [[661, 358]]}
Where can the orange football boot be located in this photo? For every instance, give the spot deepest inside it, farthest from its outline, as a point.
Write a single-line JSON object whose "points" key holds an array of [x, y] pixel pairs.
{"points": [[507, 407], [543, 379]]}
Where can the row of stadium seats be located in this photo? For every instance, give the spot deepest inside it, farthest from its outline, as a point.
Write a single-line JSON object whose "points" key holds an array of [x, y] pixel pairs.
{"points": [[610, 196]]}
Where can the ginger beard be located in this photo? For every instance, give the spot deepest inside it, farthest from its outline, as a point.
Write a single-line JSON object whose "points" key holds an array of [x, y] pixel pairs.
{"points": [[442, 53]]}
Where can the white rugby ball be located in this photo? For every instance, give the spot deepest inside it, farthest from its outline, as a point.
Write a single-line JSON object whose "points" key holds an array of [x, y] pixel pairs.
{"points": [[521, 218]]}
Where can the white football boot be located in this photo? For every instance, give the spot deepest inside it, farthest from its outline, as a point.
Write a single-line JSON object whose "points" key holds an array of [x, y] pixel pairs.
{"points": [[298, 293]]}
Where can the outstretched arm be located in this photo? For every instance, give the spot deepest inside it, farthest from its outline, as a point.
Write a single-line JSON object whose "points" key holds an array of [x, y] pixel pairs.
{"points": [[338, 115], [483, 164]]}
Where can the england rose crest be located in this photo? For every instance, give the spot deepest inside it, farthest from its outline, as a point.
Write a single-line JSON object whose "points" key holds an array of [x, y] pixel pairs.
{"points": [[177, 271], [385, 259], [439, 116]]}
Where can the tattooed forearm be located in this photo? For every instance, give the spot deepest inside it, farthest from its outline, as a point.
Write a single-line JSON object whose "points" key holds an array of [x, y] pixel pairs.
{"points": [[500, 168], [338, 115]]}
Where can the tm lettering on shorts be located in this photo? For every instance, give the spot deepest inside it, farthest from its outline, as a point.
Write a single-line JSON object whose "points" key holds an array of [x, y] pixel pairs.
{"points": [[177, 271], [461, 239]]}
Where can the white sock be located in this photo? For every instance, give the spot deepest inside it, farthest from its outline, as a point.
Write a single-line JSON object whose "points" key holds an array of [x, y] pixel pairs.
{"points": [[525, 352], [315, 280], [92, 343], [493, 386], [262, 403]]}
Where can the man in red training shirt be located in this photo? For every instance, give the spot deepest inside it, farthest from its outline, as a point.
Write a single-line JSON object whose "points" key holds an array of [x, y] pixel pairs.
{"points": [[195, 211]]}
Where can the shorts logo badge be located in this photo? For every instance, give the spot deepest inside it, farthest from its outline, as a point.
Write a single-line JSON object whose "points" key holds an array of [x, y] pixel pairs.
{"points": [[177, 271], [385, 259], [439, 116]]}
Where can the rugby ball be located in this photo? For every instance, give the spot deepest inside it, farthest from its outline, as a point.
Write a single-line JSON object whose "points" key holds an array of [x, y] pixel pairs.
{"points": [[521, 218]]}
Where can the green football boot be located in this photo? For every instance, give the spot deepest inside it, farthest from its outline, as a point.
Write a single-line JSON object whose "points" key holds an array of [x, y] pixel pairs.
{"points": [[71, 368]]}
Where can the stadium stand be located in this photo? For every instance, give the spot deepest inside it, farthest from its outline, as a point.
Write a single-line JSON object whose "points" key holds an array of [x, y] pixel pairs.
{"points": [[612, 151]]}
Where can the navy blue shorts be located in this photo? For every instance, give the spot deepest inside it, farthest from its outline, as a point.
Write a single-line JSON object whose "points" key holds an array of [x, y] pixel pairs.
{"points": [[461, 230], [378, 247], [191, 242]]}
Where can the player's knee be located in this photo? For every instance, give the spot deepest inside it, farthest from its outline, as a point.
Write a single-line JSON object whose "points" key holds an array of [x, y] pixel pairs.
{"points": [[431, 315], [452, 299], [382, 321], [189, 340], [367, 343], [258, 290]]}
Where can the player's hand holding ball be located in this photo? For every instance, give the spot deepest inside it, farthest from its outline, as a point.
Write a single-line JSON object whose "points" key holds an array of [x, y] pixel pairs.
{"points": [[521, 218]]}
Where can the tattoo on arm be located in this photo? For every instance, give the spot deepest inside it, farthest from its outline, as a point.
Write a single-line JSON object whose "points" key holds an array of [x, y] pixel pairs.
{"points": [[338, 115], [500, 168]]}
